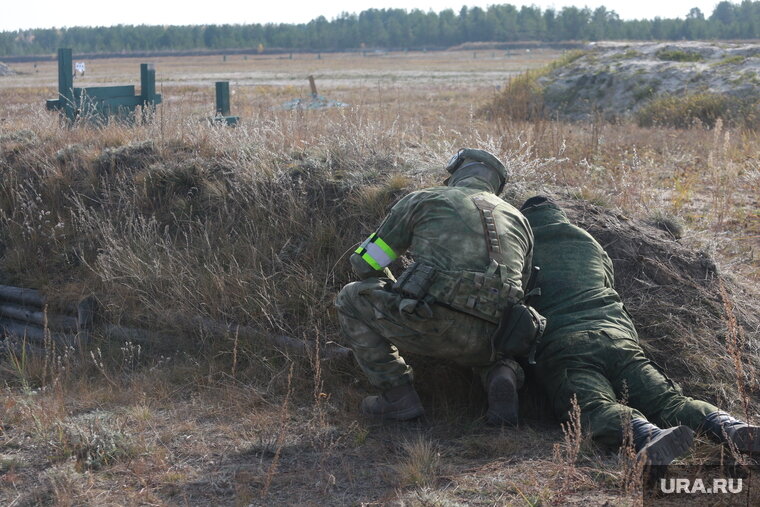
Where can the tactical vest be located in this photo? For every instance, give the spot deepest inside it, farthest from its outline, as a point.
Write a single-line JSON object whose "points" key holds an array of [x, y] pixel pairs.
{"points": [[482, 295], [487, 295]]}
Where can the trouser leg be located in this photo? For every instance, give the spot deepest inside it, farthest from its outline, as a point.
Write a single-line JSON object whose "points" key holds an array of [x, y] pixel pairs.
{"points": [[651, 391], [576, 366], [483, 371], [378, 358], [374, 324], [601, 413]]}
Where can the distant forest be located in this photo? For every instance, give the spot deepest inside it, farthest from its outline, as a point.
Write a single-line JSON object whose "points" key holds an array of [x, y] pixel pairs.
{"points": [[397, 28]]}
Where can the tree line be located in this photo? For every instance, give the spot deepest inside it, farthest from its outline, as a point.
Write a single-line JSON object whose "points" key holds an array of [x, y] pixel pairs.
{"points": [[397, 28]]}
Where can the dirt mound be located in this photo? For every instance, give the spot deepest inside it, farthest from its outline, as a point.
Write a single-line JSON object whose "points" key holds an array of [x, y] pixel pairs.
{"points": [[617, 80], [683, 306], [5, 70]]}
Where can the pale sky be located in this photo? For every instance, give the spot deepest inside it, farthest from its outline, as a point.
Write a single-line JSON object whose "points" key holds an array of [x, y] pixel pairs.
{"points": [[21, 14]]}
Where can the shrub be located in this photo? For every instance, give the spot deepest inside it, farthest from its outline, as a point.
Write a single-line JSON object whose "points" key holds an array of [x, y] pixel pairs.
{"points": [[699, 108], [523, 97], [730, 60], [677, 55]]}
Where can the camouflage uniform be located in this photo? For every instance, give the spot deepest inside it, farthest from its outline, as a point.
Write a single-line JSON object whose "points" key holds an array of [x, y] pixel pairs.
{"points": [[440, 227], [590, 348]]}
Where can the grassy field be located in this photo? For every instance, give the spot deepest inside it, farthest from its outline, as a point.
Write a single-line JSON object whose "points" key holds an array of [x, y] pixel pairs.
{"points": [[400, 80], [176, 219]]}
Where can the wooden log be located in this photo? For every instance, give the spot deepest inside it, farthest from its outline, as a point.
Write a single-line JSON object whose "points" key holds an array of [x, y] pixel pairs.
{"points": [[133, 334], [329, 351], [22, 296], [37, 317], [35, 334], [332, 350], [20, 347]]}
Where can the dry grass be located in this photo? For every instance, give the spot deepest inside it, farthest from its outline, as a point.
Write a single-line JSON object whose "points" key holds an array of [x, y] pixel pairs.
{"points": [[174, 219]]}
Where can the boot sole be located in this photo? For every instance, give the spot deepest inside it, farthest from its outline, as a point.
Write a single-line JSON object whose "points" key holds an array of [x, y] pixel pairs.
{"points": [[669, 445], [502, 403], [393, 415]]}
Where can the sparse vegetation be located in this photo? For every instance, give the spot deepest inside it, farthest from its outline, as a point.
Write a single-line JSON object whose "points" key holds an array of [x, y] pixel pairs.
{"points": [[677, 55], [420, 462], [732, 60], [523, 97]]}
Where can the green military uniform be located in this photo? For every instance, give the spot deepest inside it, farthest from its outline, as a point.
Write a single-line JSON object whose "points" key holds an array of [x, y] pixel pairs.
{"points": [[590, 348], [441, 227]]}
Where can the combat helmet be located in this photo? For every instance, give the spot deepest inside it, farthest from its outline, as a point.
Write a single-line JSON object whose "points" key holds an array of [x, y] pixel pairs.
{"points": [[469, 162]]}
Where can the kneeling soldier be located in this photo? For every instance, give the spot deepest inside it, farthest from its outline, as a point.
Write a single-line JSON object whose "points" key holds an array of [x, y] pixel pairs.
{"points": [[472, 260]]}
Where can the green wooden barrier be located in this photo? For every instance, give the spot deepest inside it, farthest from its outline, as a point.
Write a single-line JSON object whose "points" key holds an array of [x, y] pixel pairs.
{"points": [[99, 104]]}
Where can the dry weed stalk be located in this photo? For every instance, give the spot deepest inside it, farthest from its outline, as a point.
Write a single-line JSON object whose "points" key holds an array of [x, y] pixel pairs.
{"points": [[735, 343], [723, 175], [233, 370], [568, 451], [279, 442], [632, 469]]}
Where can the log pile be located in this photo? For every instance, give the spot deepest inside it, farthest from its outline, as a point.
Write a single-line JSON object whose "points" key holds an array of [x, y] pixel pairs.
{"points": [[24, 319]]}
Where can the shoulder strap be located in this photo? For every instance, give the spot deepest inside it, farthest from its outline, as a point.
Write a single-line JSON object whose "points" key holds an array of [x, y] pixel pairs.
{"points": [[489, 228]]}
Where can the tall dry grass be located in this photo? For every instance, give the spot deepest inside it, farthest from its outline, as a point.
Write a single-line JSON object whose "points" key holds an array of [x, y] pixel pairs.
{"points": [[252, 225]]}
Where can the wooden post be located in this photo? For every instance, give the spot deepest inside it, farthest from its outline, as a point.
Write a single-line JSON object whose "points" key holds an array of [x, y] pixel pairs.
{"points": [[85, 319], [223, 98], [148, 90], [66, 83], [313, 86], [148, 83], [86, 310], [223, 106]]}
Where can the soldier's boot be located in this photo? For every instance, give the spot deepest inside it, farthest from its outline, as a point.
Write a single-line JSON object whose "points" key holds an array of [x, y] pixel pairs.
{"points": [[725, 429], [399, 403], [503, 404], [657, 446]]}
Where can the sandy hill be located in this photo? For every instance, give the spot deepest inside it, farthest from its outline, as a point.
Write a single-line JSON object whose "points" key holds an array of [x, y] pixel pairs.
{"points": [[618, 79]]}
